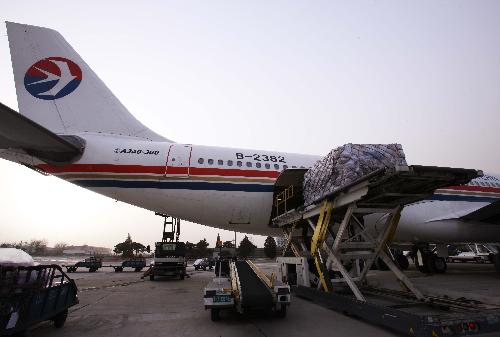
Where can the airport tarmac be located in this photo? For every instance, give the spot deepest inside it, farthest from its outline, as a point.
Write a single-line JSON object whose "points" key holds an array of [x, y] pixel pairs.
{"points": [[122, 304]]}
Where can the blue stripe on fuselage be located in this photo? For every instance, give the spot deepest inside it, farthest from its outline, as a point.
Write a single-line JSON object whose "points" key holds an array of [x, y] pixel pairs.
{"points": [[458, 197], [176, 185]]}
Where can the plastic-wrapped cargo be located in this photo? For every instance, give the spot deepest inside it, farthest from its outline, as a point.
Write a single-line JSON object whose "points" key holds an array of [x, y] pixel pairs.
{"points": [[15, 257], [346, 164]]}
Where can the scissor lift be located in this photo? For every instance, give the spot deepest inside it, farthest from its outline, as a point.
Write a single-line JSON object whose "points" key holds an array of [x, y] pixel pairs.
{"points": [[331, 234]]}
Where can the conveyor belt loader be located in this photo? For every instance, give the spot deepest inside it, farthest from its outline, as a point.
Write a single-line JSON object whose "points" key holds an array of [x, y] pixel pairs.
{"points": [[242, 286]]}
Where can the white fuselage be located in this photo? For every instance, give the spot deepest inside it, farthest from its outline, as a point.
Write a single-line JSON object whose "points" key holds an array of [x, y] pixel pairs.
{"points": [[232, 188]]}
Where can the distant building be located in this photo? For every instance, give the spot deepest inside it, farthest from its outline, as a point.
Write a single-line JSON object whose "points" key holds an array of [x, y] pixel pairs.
{"points": [[87, 250]]}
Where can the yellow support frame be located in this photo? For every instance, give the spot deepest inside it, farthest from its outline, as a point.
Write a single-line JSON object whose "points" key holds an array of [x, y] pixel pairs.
{"points": [[318, 239]]}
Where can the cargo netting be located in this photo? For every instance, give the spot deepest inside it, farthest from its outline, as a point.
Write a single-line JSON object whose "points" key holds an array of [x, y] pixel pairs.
{"points": [[346, 164]]}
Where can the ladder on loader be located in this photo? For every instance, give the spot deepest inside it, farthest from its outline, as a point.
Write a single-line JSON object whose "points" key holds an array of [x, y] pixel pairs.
{"points": [[331, 233]]}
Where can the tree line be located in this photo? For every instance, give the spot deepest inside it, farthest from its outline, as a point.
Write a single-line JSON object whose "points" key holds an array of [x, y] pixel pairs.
{"points": [[246, 248], [130, 248], [37, 247]]}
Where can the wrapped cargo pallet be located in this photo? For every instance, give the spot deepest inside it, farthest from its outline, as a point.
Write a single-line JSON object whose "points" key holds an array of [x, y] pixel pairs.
{"points": [[346, 164]]}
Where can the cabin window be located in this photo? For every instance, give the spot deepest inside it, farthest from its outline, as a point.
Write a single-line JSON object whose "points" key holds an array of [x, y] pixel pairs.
{"points": [[229, 163], [210, 162], [258, 165], [249, 164], [220, 162], [268, 166], [285, 167], [200, 161], [293, 166], [239, 163], [276, 166]]}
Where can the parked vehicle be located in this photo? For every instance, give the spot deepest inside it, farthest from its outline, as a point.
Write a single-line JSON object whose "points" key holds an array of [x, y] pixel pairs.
{"points": [[471, 252], [92, 263], [206, 263], [137, 263], [200, 264]]}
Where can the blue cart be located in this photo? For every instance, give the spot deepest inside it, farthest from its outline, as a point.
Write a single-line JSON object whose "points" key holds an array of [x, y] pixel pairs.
{"points": [[29, 295]]}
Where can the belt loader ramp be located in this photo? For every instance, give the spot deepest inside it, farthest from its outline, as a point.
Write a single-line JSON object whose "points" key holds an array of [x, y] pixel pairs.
{"points": [[242, 285], [334, 251]]}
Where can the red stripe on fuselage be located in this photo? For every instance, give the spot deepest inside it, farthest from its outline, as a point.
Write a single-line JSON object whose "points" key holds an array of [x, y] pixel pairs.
{"points": [[110, 168], [472, 188]]}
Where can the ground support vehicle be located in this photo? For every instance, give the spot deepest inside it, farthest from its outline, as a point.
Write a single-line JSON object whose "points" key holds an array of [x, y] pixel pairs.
{"points": [[242, 286], [29, 295], [137, 264], [334, 250], [169, 260], [472, 252], [170, 256], [92, 263], [203, 264]]}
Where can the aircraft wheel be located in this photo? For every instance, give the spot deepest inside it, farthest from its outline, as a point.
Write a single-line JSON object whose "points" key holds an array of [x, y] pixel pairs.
{"points": [[381, 265], [424, 262], [439, 264], [402, 261], [214, 314]]}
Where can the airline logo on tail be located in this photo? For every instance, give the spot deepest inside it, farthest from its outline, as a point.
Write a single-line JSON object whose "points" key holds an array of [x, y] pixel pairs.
{"points": [[52, 78]]}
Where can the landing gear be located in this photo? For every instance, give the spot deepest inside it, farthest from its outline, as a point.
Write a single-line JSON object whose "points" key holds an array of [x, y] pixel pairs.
{"points": [[428, 262], [402, 261], [439, 264], [397, 256]]}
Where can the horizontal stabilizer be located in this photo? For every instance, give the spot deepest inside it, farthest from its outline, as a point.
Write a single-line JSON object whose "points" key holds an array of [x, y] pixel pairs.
{"points": [[489, 214], [19, 132]]}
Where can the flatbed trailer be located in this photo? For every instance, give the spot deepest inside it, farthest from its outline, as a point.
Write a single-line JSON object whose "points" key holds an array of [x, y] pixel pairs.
{"points": [[334, 250], [242, 286]]}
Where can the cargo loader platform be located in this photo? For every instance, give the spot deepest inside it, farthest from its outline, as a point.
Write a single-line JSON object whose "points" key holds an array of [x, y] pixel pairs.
{"points": [[334, 250]]}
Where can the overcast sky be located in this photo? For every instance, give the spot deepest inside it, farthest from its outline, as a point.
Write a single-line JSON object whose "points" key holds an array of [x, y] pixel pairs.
{"points": [[297, 76]]}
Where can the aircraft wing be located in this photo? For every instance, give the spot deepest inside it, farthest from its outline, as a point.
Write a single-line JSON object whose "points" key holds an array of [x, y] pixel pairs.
{"points": [[488, 214], [19, 132]]}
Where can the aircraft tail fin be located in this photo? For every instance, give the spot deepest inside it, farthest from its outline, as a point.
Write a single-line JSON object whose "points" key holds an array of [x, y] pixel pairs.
{"points": [[58, 90]]}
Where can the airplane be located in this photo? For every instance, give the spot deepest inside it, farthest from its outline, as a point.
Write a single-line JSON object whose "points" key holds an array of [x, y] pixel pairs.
{"points": [[71, 125]]}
